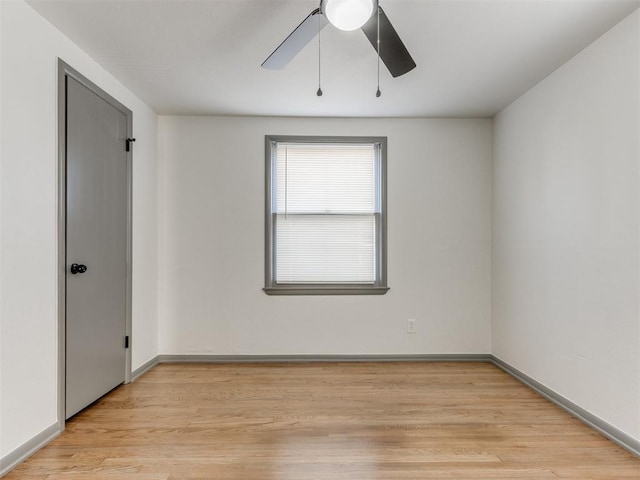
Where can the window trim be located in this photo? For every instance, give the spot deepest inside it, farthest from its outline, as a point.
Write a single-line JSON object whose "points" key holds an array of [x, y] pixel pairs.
{"points": [[379, 287]]}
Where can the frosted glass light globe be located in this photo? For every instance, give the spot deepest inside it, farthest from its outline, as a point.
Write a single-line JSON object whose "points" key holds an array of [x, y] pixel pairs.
{"points": [[348, 14]]}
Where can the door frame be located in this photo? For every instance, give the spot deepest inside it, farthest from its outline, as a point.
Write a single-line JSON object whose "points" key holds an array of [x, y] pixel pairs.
{"points": [[64, 71]]}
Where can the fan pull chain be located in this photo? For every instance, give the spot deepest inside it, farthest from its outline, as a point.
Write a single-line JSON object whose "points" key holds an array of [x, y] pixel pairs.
{"points": [[378, 92], [319, 92], [286, 181]]}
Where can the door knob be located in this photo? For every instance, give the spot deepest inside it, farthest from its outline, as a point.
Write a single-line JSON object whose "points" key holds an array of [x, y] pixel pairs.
{"points": [[77, 268]]}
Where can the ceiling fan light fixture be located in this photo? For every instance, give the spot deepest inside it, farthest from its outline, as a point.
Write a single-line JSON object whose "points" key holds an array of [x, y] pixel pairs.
{"points": [[348, 15]]}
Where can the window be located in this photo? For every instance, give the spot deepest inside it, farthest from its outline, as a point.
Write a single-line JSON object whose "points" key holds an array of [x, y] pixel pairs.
{"points": [[325, 215]]}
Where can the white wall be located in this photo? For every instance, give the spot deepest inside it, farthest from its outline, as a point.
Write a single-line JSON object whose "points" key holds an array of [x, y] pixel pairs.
{"points": [[28, 241], [1, 249], [212, 243], [565, 232]]}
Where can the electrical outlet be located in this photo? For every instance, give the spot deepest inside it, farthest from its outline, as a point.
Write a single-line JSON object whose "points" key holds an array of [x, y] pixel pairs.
{"points": [[411, 325]]}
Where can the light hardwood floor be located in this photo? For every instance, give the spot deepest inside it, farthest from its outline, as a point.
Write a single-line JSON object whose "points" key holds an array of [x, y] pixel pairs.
{"points": [[329, 421]]}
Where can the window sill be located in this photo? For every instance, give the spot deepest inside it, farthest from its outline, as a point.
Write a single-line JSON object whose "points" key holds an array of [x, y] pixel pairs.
{"points": [[325, 290]]}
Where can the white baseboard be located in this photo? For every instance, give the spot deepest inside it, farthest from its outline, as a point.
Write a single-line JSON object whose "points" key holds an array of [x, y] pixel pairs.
{"points": [[28, 448], [462, 357], [141, 370]]}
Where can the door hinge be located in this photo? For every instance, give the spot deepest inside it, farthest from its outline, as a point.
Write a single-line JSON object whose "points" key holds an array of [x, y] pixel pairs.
{"points": [[129, 140], [126, 341]]}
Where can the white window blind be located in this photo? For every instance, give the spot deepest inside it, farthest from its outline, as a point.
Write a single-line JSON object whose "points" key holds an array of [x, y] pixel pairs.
{"points": [[325, 213]]}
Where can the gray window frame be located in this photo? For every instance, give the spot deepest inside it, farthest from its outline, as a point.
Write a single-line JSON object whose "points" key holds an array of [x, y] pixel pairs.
{"points": [[379, 287]]}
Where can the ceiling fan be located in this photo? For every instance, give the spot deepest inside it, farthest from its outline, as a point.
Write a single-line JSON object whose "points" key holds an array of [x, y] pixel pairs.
{"points": [[347, 15]]}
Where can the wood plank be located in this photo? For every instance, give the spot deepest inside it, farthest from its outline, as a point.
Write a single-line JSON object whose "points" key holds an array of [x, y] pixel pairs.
{"points": [[338, 421]]}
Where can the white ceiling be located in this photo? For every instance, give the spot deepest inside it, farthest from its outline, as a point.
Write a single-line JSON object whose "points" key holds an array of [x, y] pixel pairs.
{"points": [[203, 57]]}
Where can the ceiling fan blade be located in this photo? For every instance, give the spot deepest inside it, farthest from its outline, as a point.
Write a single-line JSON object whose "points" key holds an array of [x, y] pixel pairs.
{"points": [[296, 41], [392, 51]]}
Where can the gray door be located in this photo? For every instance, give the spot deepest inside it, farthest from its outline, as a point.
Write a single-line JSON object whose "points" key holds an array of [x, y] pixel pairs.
{"points": [[96, 238]]}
